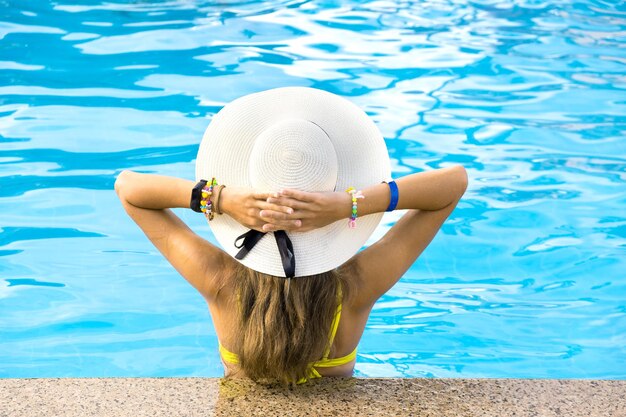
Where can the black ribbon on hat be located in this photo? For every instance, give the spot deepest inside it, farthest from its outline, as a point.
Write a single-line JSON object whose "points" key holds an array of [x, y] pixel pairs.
{"points": [[285, 248]]}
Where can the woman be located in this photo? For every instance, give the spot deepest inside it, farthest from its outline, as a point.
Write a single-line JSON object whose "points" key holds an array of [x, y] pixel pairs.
{"points": [[290, 293]]}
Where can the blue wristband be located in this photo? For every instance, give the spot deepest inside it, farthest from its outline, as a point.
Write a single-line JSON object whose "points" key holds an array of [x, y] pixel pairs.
{"points": [[393, 187]]}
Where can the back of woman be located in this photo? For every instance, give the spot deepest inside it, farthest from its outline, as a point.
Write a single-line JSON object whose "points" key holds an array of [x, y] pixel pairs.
{"points": [[299, 180]]}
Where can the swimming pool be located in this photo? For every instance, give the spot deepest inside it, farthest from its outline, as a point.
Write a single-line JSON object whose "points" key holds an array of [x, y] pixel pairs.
{"points": [[525, 280]]}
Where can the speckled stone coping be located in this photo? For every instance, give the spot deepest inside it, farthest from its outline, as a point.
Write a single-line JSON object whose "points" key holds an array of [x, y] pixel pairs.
{"points": [[138, 397]]}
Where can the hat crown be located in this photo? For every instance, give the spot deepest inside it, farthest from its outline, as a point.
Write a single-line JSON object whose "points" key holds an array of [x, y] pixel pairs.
{"points": [[293, 153]]}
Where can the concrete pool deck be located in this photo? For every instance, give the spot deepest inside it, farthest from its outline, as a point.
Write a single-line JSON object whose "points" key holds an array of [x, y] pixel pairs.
{"points": [[436, 397]]}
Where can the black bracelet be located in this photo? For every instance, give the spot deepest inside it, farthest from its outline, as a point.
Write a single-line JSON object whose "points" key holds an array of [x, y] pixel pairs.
{"points": [[196, 196]]}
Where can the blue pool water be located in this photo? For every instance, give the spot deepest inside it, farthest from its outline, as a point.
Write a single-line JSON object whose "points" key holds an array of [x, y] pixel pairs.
{"points": [[527, 277]]}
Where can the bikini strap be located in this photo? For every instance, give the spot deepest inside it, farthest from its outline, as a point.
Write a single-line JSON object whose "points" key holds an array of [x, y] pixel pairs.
{"points": [[228, 356]]}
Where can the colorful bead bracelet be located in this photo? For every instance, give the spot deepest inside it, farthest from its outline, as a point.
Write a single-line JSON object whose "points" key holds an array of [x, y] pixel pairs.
{"points": [[355, 195], [205, 203]]}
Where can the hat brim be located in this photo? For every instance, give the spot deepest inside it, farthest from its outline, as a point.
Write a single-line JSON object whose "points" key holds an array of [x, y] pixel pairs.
{"points": [[362, 161]]}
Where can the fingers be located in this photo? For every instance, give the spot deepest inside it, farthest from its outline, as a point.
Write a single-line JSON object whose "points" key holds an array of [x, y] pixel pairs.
{"points": [[292, 209], [276, 220], [295, 199], [277, 210], [287, 195], [288, 202], [291, 225], [277, 217], [272, 211], [298, 195], [261, 202], [284, 210], [262, 195], [269, 214], [288, 192]]}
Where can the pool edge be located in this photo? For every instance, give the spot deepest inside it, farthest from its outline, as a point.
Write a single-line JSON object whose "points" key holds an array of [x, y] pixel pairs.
{"points": [[153, 397]]}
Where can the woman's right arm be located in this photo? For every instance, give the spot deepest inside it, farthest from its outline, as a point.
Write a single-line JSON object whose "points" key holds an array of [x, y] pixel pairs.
{"points": [[429, 198]]}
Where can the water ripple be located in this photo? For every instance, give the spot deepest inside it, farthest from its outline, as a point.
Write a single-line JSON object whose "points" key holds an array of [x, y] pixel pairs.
{"points": [[524, 279]]}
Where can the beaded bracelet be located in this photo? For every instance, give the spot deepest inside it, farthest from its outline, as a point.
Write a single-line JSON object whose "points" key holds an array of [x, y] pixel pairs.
{"points": [[205, 203], [355, 195]]}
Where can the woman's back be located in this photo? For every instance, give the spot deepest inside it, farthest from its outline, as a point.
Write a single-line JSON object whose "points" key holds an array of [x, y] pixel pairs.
{"points": [[342, 335], [327, 317]]}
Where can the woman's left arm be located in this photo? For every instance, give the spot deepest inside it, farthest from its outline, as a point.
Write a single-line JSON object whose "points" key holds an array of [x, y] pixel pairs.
{"points": [[147, 199]]}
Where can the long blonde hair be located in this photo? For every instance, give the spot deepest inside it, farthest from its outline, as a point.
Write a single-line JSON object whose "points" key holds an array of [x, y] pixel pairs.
{"points": [[283, 325]]}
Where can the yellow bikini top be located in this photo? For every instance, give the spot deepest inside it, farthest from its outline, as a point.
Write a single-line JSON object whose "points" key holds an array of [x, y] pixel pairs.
{"points": [[233, 358]]}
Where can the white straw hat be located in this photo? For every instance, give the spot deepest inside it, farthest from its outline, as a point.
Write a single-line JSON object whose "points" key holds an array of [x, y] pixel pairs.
{"points": [[301, 138]]}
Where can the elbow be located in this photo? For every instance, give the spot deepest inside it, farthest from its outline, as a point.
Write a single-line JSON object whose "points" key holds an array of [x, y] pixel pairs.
{"points": [[462, 179], [120, 182]]}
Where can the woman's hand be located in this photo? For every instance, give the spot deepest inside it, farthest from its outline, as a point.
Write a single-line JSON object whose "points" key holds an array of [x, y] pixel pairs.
{"points": [[314, 210], [246, 205]]}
